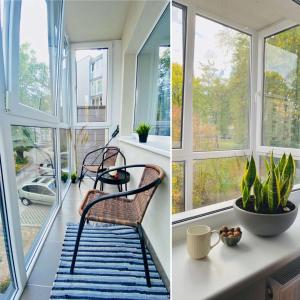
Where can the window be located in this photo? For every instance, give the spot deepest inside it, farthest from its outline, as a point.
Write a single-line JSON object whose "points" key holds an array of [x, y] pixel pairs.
{"points": [[212, 159], [34, 162], [92, 85], [178, 187], [216, 180], [88, 140], [178, 55], [65, 150], [65, 86], [38, 53], [153, 79], [221, 87], [7, 285], [281, 97]]}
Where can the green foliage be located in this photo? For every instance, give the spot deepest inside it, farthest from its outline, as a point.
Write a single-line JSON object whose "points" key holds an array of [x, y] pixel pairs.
{"points": [[271, 194], [4, 284], [143, 129], [214, 180], [73, 177], [20, 158], [34, 80], [65, 176]]}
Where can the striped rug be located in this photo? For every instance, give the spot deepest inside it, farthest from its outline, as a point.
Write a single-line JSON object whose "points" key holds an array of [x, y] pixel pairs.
{"points": [[109, 265]]}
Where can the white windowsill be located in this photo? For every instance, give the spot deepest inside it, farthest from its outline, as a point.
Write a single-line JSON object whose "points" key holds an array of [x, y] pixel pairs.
{"points": [[227, 270], [156, 144]]}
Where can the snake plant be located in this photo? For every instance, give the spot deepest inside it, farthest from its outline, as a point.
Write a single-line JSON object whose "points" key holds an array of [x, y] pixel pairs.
{"points": [[271, 194]]}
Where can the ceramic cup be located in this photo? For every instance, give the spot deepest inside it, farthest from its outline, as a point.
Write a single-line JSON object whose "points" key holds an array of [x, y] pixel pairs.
{"points": [[199, 240]]}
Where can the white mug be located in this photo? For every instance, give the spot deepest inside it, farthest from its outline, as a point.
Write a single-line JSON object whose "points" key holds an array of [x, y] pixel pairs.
{"points": [[199, 240]]}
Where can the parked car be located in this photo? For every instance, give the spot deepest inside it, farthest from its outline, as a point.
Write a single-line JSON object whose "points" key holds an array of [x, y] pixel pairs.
{"points": [[39, 190]]}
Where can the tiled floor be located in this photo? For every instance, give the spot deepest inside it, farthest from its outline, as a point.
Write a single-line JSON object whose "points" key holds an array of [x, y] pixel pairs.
{"points": [[41, 279]]}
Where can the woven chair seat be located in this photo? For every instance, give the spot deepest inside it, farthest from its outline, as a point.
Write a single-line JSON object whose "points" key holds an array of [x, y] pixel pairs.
{"points": [[117, 211]]}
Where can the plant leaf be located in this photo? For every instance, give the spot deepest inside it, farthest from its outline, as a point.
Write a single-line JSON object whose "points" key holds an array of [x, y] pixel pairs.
{"points": [[251, 173], [273, 191], [282, 163], [245, 196], [258, 195]]}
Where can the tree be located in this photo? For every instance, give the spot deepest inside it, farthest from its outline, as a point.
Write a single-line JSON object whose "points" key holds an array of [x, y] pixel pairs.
{"points": [[34, 79]]}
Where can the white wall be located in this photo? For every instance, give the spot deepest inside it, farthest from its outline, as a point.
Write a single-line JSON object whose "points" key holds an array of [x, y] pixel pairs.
{"points": [[156, 222], [141, 20]]}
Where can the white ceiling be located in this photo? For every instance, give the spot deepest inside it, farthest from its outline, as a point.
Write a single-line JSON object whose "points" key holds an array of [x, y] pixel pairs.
{"points": [[254, 14], [95, 20]]}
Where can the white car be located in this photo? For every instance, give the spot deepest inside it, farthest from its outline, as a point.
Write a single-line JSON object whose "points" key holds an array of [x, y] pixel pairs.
{"points": [[39, 190]]}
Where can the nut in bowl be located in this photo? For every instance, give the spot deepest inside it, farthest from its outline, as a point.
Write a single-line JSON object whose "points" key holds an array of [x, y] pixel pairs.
{"points": [[230, 236]]}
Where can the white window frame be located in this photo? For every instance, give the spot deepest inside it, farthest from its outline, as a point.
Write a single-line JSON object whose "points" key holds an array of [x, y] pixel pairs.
{"points": [[109, 104], [21, 115], [272, 30], [153, 81], [186, 153], [14, 106]]}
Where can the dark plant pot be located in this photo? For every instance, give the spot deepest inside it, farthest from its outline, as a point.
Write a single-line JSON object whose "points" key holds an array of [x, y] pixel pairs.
{"points": [[265, 224], [143, 138], [74, 180]]}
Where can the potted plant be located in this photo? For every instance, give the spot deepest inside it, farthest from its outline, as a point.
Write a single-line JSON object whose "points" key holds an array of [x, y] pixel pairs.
{"points": [[264, 208], [143, 131], [74, 177], [64, 177]]}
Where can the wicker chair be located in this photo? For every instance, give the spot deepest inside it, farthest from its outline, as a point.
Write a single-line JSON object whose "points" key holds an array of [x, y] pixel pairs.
{"points": [[116, 209], [98, 161]]}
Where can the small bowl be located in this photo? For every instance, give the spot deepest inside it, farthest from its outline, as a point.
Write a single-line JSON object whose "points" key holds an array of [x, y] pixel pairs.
{"points": [[232, 241]]}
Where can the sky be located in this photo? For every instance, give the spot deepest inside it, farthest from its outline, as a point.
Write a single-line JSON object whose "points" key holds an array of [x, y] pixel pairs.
{"points": [[34, 27], [206, 43]]}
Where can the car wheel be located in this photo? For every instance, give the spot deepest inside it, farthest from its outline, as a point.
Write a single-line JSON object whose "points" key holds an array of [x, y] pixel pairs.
{"points": [[25, 201]]}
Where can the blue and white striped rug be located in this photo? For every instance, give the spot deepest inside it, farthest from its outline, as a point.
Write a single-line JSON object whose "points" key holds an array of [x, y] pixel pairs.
{"points": [[109, 265]]}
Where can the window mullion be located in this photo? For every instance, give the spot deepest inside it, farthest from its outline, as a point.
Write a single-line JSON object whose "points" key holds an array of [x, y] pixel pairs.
{"points": [[187, 136]]}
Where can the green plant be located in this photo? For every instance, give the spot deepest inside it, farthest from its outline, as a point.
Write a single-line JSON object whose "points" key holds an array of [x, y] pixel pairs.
{"points": [[4, 284], [65, 176], [143, 129], [269, 195], [73, 177]]}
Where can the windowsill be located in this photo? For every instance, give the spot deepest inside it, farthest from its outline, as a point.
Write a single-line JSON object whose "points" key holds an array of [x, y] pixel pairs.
{"points": [[156, 144], [227, 270]]}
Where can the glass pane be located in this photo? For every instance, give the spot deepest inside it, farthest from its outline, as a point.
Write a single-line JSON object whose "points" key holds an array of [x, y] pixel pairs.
{"points": [[263, 170], [88, 140], [6, 283], [92, 71], [281, 101], [178, 46], [153, 79], [35, 172], [1, 13], [217, 180], [64, 90], [178, 202], [37, 54], [221, 87], [65, 150]]}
